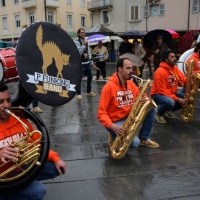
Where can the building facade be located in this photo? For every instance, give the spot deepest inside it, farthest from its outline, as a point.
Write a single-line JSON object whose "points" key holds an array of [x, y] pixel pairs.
{"points": [[146, 15], [15, 15]]}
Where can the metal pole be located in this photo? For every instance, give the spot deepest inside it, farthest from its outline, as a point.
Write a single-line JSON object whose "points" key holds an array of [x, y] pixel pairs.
{"points": [[45, 11]]}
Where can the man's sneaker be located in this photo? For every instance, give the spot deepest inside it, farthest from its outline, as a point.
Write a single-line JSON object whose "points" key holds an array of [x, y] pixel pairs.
{"points": [[149, 143], [160, 119], [37, 109], [169, 114], [91, 94], [79, 97]]}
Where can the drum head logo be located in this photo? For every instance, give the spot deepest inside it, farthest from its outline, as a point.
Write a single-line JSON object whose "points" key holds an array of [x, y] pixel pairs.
{"points": [[48, 63]]}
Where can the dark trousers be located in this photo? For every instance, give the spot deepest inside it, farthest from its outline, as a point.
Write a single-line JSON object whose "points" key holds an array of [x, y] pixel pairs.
{"points": [[102, 66]]}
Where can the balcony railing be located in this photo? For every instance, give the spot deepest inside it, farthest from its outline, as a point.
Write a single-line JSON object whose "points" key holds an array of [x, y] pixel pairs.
{"points": [[28, 4], [52, 3], [99, 5]]}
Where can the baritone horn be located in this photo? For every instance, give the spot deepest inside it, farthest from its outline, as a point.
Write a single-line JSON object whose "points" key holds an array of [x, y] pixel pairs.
{"points": [[28, 153]]}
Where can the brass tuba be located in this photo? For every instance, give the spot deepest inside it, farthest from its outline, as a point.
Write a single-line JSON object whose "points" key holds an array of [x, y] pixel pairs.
{"points": [[32, 154], [120, 145], [193, 80]]}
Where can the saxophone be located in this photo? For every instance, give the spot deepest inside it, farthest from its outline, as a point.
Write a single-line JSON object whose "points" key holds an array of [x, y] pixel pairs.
{"points": [[120, 145], [192, 85]]}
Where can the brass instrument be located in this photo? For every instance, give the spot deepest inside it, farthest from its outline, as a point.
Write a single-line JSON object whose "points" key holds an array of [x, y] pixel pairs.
{"points": [[28, 153], [193, 80], [120, 145]]}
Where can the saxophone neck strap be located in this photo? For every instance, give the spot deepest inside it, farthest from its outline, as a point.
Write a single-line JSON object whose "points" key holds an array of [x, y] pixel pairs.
{"points": [[181, 83]]}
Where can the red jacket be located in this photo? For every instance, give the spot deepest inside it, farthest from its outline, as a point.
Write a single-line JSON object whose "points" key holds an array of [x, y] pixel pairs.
{"points": [[116, 101], [196, 58], [12, 131], [166, 80]]}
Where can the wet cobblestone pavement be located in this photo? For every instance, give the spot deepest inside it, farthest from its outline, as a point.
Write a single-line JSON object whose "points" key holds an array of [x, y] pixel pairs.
{"points": [[169, 172]]}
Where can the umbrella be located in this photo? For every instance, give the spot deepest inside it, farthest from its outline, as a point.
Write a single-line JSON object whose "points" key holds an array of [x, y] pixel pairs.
{"points": [[133, 34], [136, 60], [150, 38], [106, 39], [173, 33], [186, 40], [96, 38]]}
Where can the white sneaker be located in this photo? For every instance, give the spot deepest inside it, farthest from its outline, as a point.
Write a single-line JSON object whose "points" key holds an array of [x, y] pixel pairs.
{"points": [[79, 97], [37, 109]]}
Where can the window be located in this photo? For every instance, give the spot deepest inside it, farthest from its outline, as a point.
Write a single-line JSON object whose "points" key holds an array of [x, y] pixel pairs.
{"points": [[3, 3], [5, 22], [83, 3], [50, 17], [82, 21], [105, 17], [16, 1], [69, 20], [195, 6], [17, 21], [134, 13], [69, 2], [154, 10], [31, 18]]}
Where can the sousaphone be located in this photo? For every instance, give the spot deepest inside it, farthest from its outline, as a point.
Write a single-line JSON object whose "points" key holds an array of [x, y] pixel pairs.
{"points": [[49, 68]]}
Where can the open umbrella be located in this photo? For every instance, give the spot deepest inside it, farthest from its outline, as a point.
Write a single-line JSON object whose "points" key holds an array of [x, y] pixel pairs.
{"points": [[96, 38], [133, 34], [173, 33], [136, 60], [186, 40], [150, 38]]}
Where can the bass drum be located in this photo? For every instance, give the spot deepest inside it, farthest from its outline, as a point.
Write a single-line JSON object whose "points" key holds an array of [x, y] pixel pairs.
{"points": [[8, 70], [183, 59]]}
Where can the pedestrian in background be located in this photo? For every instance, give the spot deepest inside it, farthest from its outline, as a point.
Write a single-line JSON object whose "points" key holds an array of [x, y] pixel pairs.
{"points": [[157, 50], [86, 59], [125, 47], [101, 53]]}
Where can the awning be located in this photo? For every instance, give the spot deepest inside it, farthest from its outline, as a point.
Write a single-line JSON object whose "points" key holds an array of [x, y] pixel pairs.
{"points": [[116, 38]]}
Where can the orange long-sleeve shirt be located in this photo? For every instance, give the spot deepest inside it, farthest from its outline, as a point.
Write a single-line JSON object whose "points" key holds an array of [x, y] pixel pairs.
{"points": [[166, 80], [195, 56], [116, 101], [12, 131]]}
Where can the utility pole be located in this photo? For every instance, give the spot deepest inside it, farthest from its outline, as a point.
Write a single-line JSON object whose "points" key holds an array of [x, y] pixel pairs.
{"points": [[45, 11]]}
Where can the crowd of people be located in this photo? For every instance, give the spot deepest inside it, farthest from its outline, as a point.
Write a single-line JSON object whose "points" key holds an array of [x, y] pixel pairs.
{"points": [[117, 98]]}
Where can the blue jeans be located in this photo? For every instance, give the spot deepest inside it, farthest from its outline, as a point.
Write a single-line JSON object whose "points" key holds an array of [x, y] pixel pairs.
{"points": [[166, 103], [35, 190], [35, 103], [144, 132], [86, 71]]}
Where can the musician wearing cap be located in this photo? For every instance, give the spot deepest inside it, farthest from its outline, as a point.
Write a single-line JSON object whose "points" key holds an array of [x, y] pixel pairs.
{"points": [[157, 50], [11, 131], [167, 78], [101, 53]]}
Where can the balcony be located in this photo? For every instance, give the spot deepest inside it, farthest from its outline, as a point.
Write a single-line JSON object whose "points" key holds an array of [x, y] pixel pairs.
{"points": [[99, 5], [52, 4], [28, 4]]}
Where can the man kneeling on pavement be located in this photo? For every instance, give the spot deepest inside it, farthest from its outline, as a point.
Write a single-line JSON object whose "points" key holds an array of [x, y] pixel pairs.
{"points": [[167, 78], [117, 97]]}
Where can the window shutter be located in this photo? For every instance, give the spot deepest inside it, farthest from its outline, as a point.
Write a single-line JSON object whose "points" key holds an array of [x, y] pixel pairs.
{"points": [[195, 6], [162, 9], [146, 11]]}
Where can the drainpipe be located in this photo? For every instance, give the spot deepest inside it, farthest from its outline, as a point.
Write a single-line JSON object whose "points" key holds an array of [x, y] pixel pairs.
{"points": [[126, 16], [146, 18], [188, 25], [45, 10]]}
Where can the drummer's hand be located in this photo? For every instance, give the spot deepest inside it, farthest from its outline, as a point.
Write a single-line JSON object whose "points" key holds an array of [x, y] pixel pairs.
{"points": [[117, 129], [8, 153]]}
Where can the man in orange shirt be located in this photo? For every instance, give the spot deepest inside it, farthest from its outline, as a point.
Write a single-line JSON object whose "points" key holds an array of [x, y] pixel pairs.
{"points": [[117, 98], [11, 130], [196, 57], [164, 89]]}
